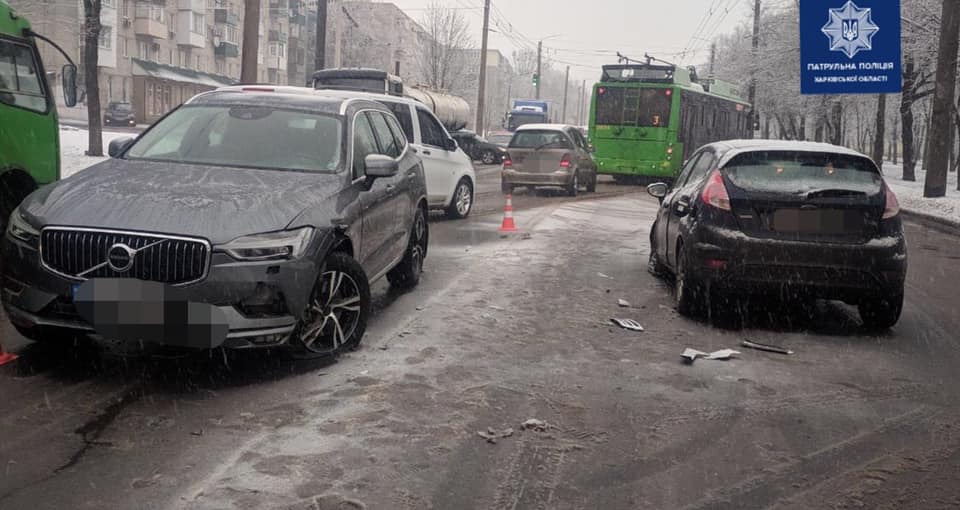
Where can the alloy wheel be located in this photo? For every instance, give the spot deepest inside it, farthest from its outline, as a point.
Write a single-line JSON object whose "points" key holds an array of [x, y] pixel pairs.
{"points": [[463, 199], [333, 313], [488, 158]]}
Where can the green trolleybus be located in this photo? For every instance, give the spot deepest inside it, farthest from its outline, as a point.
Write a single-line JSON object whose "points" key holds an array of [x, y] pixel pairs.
{"points": [[646, 119], [29, 131]]}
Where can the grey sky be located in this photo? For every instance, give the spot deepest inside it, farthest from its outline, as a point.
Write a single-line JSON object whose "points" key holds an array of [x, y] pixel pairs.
{"points": [[593, 30]]}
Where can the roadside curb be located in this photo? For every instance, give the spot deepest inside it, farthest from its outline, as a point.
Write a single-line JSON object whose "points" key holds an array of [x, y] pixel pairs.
{"points": [[942, 224]]}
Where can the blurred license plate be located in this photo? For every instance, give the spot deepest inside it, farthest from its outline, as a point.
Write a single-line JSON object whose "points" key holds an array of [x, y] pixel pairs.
{"points": [[809, 222], [73, 290]]}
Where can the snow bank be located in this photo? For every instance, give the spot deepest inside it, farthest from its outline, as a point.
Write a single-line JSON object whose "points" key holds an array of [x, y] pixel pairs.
{"points": [[910, 194], [73, 145]]}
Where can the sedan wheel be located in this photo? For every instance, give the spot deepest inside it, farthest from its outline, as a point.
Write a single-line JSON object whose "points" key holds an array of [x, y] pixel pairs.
{"points": [[336, 316], [488, 158], [462, 202], [574, 187]]}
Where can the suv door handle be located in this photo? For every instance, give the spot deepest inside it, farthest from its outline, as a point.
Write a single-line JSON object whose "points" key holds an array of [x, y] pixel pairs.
{"points": [[426, 152]]}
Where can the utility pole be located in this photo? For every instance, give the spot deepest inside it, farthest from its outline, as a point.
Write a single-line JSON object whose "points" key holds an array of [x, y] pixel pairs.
{"points": [[251, 42], [753, 78], [539, 66], [482, 88], [566, 88], [941, 130], [713, 58], [320, 61], [583, 85]]}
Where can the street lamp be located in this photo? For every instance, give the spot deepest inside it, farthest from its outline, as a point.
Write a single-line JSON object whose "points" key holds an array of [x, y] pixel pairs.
{"points": [[538, 78]]}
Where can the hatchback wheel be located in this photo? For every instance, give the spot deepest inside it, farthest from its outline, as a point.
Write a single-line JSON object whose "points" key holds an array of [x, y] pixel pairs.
{"points": [[462, 202], [488, 158], [407, 273], [592, 185], [336, 316], [574, 187], [687, 290], [881, 313]]}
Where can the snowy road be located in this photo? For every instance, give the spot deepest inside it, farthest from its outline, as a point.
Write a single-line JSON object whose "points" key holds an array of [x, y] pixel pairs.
{"points": [[500, 331]]}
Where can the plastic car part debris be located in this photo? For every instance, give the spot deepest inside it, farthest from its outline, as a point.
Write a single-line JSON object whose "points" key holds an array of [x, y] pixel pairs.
{"points": [[766, 347], [535, 425], [691, 355], [630, 324], [623, 303], [492, 435], [601, 275]]}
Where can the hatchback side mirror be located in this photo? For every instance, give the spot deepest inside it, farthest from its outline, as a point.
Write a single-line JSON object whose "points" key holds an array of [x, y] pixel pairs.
{"points": [[590, 148], [378, 166], [69, 82], [119, 145], [658, 190]]}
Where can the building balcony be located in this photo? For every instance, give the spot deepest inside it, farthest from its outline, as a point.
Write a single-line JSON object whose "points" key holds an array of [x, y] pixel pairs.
{"points": [[198, 6], [226, 49], [276, 35], [185, 34], [150, 27], [225, 17]]}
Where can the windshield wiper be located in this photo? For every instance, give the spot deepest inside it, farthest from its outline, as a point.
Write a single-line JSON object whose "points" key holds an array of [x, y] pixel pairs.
{"points": [[544, 145]]}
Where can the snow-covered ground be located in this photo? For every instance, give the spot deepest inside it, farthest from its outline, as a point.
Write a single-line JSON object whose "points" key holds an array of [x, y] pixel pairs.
{"points": [[73, 145], [910, 194]]}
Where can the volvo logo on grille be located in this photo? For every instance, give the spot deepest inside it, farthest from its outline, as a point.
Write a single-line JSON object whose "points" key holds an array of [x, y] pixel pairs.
{"points": [[120, 257]]}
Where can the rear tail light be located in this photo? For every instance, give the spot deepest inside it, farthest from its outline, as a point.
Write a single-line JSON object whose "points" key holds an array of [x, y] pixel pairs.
{"points": [[893, 205], [565, 162], [715, 192], [507, 162]]}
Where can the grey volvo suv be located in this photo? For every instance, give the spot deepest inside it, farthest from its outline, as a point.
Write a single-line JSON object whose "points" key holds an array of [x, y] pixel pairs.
{"points": [[249, 217]]}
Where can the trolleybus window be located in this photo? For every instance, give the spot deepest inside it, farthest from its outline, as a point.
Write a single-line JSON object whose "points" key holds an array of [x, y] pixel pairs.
{"points": [[19, 82], [618, 106]]}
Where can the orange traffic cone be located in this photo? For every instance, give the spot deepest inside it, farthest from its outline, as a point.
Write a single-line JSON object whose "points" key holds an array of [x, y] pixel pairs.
{"points": [[508, 225]]}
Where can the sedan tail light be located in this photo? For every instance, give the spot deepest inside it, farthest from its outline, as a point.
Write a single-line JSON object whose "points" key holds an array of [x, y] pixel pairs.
{"points": [[715, 192], [507, 162], [893, 205], [565, 162]]}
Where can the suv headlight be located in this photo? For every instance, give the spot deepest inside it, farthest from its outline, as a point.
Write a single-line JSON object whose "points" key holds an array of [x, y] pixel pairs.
{"points": [[288, 244], [21, 230]]}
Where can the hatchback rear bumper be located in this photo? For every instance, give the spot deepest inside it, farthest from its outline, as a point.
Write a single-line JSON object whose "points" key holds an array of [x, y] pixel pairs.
{"points": [[557, 178], [734, 261]]}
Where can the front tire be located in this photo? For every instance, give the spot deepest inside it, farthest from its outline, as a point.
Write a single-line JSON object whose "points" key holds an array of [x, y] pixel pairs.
{"points": [[407, 273], [592, 185], [574, 187], [687, 291], [336, 315], [879, 314], [462, 202]]}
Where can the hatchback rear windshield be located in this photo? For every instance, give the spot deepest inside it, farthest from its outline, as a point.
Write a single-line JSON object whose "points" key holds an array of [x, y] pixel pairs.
{"points": [[245, 136], [803, 173], [540, 139]]}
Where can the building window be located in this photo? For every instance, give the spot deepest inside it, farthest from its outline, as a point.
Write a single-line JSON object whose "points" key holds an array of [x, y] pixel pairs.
{"points": [[282, 49], [143, 50], [150, 11], [106, 37], [184, 59], [109, 3], [125, 46], [233, 35], [199, 63], [125, 8], [221, 67], [273, 49], [198, 26]]}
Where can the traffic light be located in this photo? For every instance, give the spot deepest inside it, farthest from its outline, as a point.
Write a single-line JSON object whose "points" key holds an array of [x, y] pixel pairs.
{"points": [[536, 79]]}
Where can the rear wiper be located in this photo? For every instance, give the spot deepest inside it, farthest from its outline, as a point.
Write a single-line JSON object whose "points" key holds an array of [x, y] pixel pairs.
{"points": [[544, 145], [825, 193]]}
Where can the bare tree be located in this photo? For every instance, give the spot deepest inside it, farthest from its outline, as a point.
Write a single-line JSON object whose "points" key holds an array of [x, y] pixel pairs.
{"points": [[442, 55], [251, 42], [941, 131], [91, 63]]}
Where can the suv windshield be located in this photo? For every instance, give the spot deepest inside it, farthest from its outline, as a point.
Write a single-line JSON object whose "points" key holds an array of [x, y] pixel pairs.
{"points": [[539, 139], [618, 106], [803, 173], [245, 136], [121, 107]]}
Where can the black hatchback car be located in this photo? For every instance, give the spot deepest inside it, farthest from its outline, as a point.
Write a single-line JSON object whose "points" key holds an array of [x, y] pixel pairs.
{"points": [[119, 114], [782, 219], [478, 148], [249, 217]]}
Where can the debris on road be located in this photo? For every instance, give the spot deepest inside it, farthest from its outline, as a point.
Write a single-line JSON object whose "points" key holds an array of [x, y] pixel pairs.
{"points": [[525, 236], [691, 355], [766, 347], [535, 425], [629, 324], [601, 275], [623, 303], [491, 435], [197, 432]]}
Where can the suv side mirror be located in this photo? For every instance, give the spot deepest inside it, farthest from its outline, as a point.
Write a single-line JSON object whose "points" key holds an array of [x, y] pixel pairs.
{"points": [[119, 145], [69, 82], [378, 166], [451, 145], [658, 190]]}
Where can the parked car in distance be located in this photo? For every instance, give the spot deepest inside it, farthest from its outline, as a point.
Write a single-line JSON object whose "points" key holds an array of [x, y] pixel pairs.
{"points": [[549, 155], [478, 148], [784, 219], [249, 217], [451, 180], [119, 114]]}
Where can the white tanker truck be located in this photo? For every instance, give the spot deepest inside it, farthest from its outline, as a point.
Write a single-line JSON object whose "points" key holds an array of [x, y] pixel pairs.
{"points": [[453, 111]]}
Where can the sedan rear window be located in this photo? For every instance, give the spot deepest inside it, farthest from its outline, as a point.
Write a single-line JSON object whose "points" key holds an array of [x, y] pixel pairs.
{"points": [[804, 173], [540, 139], [245, 136]]}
